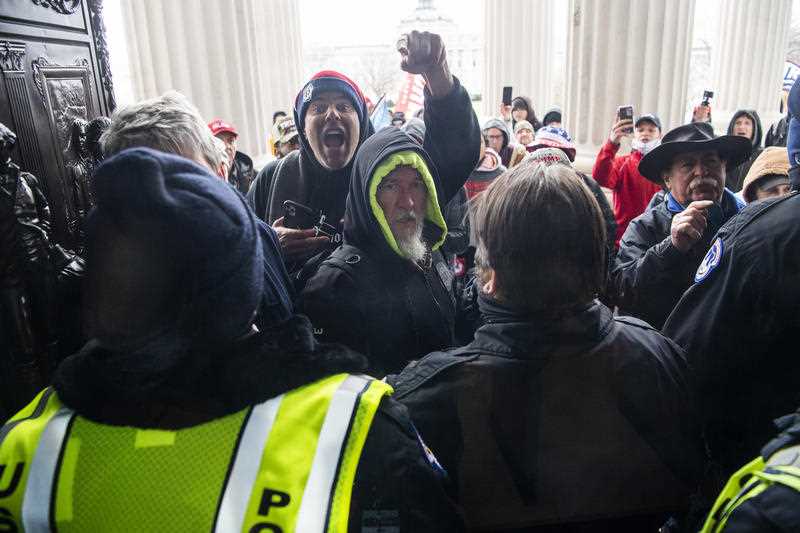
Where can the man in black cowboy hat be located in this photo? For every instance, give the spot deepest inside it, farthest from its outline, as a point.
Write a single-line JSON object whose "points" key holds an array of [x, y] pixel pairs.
{"points": [[662, 248]]}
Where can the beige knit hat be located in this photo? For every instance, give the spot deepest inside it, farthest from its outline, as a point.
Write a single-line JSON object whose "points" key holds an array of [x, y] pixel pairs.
{"points": [[773, 160], [524, 125]]}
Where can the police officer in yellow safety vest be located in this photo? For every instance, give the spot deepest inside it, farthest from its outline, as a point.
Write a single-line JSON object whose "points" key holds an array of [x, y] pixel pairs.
{"points": [[202, 402], [764, 496]]}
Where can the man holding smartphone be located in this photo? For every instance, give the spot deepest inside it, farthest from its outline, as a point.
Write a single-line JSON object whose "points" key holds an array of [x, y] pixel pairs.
{"points": [[632, 191], [332, 120]]}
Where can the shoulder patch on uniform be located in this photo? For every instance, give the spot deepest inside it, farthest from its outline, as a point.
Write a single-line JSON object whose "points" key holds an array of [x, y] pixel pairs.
{"points": [[710, 261]]}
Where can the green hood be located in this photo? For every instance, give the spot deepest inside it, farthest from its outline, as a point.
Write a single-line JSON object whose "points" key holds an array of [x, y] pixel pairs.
{"points": [[433, 213]]}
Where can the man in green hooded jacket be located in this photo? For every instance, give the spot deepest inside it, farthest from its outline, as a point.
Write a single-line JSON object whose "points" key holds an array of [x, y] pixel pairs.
{"points": [[387, 292]]}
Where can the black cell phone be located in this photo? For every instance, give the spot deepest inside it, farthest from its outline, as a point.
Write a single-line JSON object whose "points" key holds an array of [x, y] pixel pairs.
{"points": [[298, 216], [625, 112], [707, 96], [506, 95]]}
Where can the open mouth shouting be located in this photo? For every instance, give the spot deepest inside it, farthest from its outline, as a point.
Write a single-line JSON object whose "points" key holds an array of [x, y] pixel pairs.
{"points": [[335, 145], [334, 137]]}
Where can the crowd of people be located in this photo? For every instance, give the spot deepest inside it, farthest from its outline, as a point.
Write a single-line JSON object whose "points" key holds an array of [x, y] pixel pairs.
{"points": [[439, 326]]}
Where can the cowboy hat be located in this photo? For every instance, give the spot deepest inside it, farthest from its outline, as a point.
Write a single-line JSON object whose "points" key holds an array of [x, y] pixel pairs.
{"points": [[694, 137]]}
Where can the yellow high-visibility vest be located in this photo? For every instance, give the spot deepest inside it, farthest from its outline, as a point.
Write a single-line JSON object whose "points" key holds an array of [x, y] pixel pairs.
{"points": [[287, 464], [783, 468]]}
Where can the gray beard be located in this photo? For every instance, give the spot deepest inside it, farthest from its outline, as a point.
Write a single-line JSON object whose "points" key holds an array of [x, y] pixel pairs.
{"points": [[412, 246]]}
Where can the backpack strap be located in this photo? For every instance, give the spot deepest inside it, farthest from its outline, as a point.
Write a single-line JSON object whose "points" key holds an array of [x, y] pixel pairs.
{"points": [[272, 211], [354, 262]]}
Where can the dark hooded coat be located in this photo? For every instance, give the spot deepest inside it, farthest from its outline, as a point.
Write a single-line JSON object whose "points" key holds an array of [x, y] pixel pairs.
{"points": [[451, 138], [507, 149], [734, 178], [368, 297]]}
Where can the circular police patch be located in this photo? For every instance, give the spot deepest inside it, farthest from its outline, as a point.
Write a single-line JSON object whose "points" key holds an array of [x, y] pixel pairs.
{"points": [[710, 261]]}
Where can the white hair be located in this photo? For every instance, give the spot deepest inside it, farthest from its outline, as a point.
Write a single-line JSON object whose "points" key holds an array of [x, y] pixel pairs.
{"points": [[412, 245], [169, 123]]}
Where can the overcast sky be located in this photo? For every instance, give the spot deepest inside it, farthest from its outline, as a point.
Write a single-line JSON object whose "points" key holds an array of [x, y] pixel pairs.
{"points": [[359, 22], [376, 21]]}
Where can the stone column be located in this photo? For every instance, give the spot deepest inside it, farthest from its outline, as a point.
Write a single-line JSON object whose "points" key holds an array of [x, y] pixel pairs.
{"points": [[749, 56], [623, 52], [518, 52], [238, 61]]}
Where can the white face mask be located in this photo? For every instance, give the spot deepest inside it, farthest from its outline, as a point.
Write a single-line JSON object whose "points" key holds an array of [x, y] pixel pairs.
{"points": [[643, 147]]}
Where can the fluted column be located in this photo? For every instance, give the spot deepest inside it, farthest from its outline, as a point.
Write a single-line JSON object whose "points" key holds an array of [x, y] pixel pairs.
{"points": [[625, 52], [518, 52], [749, 57], [238, 61]]}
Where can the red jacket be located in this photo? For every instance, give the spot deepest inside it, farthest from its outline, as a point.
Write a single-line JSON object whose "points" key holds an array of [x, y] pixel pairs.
{"points": [[632, 191]]}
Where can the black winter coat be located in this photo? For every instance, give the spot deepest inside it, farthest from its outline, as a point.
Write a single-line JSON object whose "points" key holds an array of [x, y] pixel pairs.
{"points": [[456, 216], [396, 484], [576, 423], [650, 274], [740, 326], [368, 297]]}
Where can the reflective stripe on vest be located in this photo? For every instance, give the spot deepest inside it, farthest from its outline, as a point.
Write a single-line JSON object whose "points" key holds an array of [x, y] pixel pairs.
{"points": [[245, 466], [750, 481], [292, 466], [38, 492]]}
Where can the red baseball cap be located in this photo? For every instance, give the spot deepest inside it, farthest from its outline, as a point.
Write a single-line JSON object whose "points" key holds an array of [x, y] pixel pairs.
{"points": [[218, 126]]}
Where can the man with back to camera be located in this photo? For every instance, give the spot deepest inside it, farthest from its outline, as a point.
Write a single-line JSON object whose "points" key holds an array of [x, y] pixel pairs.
{"points": [[557, 416], [220, 425]]}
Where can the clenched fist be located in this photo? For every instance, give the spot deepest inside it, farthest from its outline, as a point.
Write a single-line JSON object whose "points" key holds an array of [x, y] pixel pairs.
{"points": [[424, 53], [689, 225]]}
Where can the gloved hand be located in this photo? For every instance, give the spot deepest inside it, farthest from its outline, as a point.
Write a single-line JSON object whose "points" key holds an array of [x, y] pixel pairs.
{"points": [[793, 138]]}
